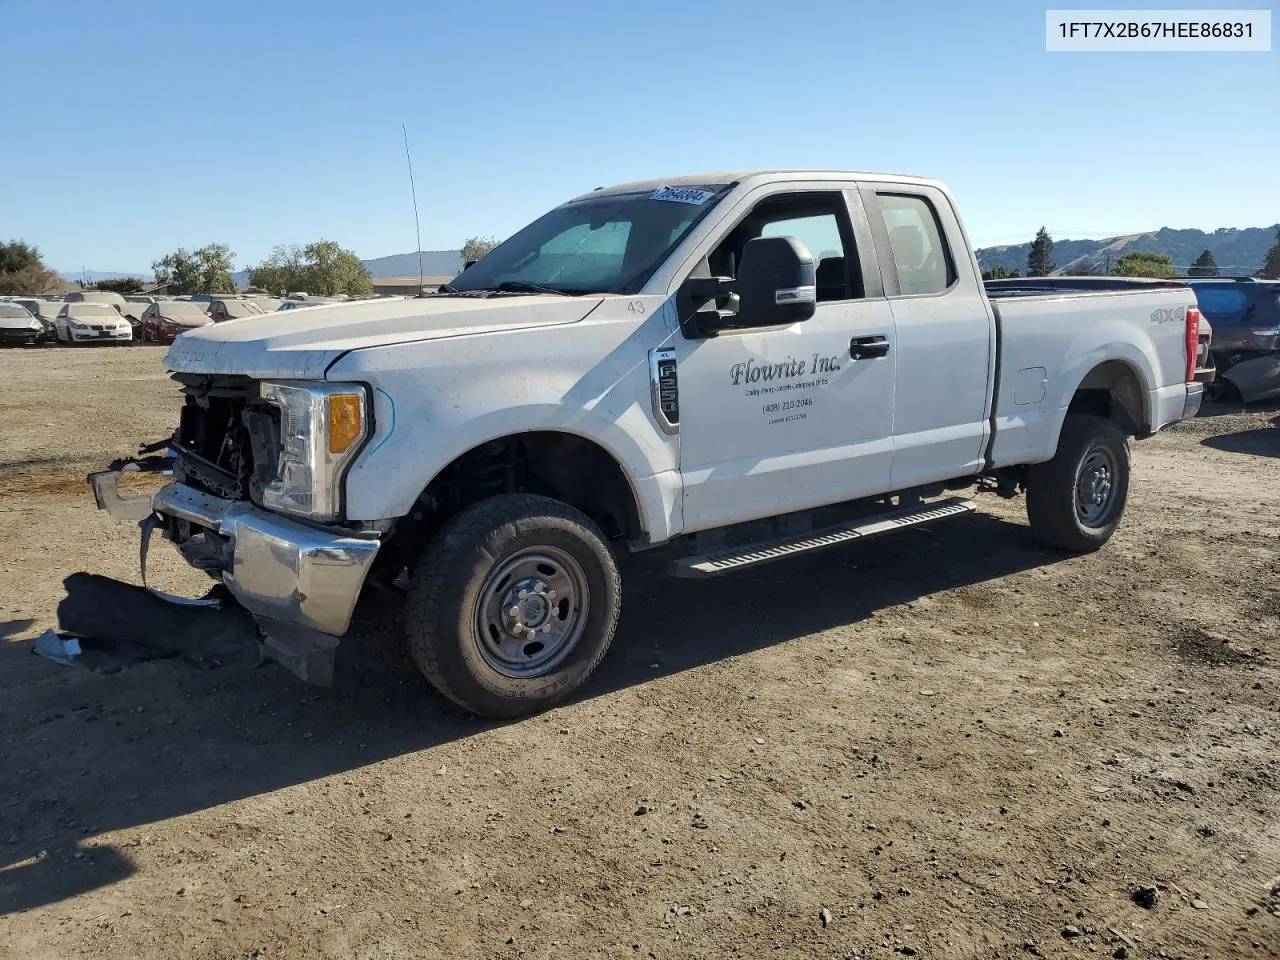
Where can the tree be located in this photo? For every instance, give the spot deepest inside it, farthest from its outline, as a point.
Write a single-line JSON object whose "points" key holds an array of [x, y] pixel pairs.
{"points": [[207, 270], [1204, 266], [280, 273], [22, 271], [1040, 259], [121, 285], [1271, 263], [322, 268], [1144, 263], [331, 269], [477, 247], [998, 272]]}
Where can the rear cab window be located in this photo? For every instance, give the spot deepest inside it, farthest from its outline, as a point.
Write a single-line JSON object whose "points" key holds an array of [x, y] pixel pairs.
{"points": [[921, 259]]}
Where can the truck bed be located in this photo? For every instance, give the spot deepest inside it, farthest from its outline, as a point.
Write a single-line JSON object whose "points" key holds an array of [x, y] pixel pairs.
{"points": [[1055, 332]]}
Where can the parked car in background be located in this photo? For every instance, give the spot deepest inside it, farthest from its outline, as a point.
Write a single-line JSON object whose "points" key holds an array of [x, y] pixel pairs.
{"points": [[133, 311], [80, 322], [163, 321], [18, 326], [1245, 314], [98, 296], [220, 310], [297, 304], [47, 311]]}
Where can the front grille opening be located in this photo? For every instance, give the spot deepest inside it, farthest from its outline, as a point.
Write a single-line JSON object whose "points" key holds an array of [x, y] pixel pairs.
{"points": [[227, 442]]}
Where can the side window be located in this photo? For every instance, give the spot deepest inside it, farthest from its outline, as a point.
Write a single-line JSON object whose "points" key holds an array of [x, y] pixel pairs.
{"points": [[1221, 303], [919, 253], [820, 222]]}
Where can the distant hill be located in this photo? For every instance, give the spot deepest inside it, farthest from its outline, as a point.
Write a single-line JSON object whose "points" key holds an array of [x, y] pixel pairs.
{"points": [[1237, 250], [435, 263]]}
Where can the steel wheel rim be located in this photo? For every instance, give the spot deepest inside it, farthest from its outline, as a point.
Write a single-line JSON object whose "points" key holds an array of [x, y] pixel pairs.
{"points": [[1096, 487], [532, 612]]}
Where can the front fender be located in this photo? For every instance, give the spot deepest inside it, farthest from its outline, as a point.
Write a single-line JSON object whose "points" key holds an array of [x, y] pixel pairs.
{"points": [[434, 402]]}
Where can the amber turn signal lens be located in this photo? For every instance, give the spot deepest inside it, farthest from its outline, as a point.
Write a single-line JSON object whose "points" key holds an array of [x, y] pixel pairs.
{"points": [[346, 422]]}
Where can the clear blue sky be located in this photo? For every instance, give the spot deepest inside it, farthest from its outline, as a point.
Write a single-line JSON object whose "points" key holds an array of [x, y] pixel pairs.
{"points": [[145, 126]]}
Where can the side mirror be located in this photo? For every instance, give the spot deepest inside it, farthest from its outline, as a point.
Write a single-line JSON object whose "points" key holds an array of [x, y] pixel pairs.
{"points": [[775, 286], [775, 283]]}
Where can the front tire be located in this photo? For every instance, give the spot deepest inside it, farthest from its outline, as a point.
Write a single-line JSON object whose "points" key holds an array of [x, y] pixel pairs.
{"points": [[513, 605], [1076, 500]]}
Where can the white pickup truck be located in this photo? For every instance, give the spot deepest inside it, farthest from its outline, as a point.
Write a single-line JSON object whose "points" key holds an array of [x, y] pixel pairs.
{"points": [[737, 367]]}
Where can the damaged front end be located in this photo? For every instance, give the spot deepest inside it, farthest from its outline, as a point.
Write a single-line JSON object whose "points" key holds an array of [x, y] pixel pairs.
{"points": [[299, 579]]}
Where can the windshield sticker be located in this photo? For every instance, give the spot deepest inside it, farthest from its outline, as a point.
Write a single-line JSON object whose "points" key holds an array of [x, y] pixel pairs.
{"points": [[682, 195]]}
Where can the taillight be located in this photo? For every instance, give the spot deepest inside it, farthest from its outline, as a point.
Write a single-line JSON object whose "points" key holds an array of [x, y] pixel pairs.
{"points": [[1193, 341]]}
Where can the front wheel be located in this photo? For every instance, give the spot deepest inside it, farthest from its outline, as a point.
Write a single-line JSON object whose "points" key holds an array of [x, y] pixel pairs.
{"points": [[513, 605], [1075, 501]]}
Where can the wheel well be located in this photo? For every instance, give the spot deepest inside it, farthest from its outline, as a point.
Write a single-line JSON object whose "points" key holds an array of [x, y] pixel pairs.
{"points": [[563, 466], [1113, 390]]}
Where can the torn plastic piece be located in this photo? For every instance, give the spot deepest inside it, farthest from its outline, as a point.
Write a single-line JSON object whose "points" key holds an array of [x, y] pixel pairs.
{"points": [[58, 648], [106, 485], [148, 525]]}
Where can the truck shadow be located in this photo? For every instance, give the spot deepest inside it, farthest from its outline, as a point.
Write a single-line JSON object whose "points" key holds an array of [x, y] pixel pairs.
{"points": [[1260, 442], [87, 753]]}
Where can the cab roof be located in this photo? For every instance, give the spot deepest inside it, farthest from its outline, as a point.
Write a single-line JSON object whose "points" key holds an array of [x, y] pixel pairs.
{"points": [[744, 176]]}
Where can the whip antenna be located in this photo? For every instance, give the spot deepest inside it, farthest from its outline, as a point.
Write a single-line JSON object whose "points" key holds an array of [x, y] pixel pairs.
{"points": [[417, 224]]}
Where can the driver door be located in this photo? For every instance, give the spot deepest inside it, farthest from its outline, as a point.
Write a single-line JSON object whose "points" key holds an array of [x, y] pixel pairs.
{"points": [[785, 418]]}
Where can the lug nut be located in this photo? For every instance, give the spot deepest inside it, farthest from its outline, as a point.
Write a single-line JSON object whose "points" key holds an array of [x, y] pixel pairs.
{"points": [[524, 594], [514, 611], [546, 628]]}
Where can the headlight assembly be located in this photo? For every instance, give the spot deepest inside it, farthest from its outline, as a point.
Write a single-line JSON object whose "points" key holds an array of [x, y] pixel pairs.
{"points": [[322, 426]]}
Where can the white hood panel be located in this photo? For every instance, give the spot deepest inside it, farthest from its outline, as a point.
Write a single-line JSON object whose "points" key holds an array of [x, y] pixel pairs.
{"points": [[302, 343]]}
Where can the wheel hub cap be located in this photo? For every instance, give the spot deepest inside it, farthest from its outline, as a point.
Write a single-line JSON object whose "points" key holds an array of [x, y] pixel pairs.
{"points": [[531, 612], [1094, 487]]}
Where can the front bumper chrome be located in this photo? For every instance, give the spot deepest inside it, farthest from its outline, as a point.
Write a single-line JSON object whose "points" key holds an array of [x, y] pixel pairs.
{"points": [[281, 570]]}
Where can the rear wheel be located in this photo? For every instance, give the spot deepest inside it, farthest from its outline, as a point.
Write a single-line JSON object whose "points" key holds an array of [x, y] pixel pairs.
{"points": [[513, 605], [1075, 501]]}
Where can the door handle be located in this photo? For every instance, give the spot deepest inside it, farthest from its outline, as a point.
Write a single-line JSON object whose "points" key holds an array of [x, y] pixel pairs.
{"points": [[862, 348]]}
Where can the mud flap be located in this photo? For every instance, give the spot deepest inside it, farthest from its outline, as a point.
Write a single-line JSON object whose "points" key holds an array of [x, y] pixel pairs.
{"points": [[307, 654]]}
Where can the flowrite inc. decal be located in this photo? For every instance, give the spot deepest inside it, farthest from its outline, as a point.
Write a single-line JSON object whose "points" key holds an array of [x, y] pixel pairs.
{"points": [[790, 376]]}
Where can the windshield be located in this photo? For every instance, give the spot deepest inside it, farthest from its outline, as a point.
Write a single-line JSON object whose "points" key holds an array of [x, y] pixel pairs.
{"points": [[11, 311], [188, 310], [239, 308], [92, 310], [607, 244]]}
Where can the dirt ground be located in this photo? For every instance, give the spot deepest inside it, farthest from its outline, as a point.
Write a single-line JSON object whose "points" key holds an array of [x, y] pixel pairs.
{"points": [[945, 743]]}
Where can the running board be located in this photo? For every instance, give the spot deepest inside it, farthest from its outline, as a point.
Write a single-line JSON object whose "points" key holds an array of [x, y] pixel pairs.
{"points": [[736, 558]]}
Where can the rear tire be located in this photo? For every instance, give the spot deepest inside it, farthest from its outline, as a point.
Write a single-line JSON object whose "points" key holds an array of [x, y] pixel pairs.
{"points": [[513, 605], [1076, 500]]}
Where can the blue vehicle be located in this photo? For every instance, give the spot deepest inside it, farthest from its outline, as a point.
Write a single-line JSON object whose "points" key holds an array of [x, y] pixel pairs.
{"points": [[1245, 314]]}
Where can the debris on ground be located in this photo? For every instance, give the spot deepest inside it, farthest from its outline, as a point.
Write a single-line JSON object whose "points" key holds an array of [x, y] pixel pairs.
{"points": [[1146, 897], [60, 648]]}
